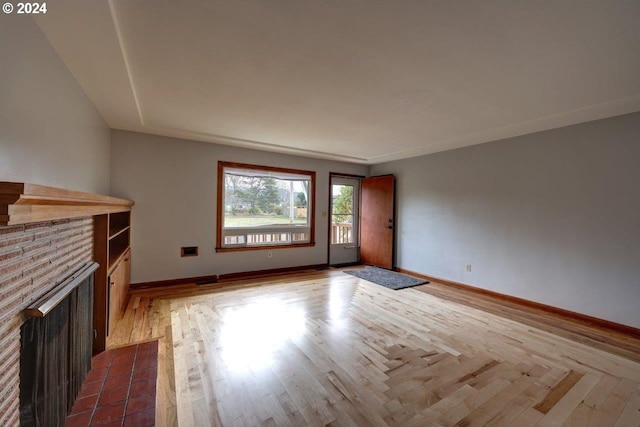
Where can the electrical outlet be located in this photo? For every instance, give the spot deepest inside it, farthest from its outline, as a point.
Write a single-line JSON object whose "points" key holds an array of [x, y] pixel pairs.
{"points": [[469, 267], [269, 254]]}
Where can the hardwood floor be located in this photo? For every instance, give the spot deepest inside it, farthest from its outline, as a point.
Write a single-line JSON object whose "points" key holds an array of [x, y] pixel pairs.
{"points": [[326, 348], [575, 329]]}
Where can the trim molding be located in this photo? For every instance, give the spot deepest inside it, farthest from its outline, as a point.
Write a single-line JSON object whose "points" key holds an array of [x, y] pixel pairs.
{"points": [[347, 264], [231, 277], [172, 282], [265, 247], [224, 278], [560, 312], [22, 203]]}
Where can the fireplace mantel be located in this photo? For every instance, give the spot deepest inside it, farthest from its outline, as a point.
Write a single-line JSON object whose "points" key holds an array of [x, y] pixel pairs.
{"points": [[22, 203]]}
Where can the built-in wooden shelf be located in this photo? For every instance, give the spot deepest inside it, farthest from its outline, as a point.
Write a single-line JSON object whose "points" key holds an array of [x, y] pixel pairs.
{"points": [[117, 247], [119, 237], [112, 250], [22, 203], [118, 223]]}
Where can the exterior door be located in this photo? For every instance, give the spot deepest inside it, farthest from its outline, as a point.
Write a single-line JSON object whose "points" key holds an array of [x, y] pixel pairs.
{"points": [[343, 241], [377, 221]]}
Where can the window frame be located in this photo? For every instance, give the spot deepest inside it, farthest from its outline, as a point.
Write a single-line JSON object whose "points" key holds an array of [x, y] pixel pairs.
{"points": [[221, 203]]}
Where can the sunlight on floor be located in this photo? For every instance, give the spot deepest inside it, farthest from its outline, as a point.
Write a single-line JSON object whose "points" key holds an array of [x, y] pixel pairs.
{"points": [[252, 333]]}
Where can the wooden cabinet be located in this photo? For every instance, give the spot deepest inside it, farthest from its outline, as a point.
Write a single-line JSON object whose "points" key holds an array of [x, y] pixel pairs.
{"points": [[119, 280], [112, 250]]}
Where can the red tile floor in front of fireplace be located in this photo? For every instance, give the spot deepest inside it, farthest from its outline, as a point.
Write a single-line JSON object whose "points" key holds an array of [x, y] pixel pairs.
{"points": [[119, 390]]}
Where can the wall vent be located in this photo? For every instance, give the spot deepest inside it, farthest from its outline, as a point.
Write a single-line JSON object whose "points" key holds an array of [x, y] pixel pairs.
{"points": [[188, 251]]}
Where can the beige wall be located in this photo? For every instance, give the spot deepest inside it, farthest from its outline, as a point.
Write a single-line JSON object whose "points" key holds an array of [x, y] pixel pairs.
{"points": [[552, 217], [174, 184], [50, 133]]}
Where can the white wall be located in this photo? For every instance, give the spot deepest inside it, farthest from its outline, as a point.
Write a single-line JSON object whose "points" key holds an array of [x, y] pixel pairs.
{"points": [[552, 217], [174, 183], [50, 133]]}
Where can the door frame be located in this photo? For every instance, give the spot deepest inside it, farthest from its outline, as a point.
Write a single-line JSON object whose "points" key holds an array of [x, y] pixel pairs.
{"points": [[340, 175]]}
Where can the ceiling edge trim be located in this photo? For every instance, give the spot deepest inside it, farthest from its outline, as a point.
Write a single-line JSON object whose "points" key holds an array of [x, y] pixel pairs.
{"points": [[604, 110], [125, 58], [580, 115], [251, 144]]}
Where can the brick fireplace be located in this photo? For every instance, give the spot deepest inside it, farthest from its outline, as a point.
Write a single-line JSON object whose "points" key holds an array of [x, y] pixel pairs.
{"points": [[34, 258]]}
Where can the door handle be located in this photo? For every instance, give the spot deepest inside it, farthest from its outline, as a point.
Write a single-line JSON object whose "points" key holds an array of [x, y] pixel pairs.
{"points": [[390, 227]]}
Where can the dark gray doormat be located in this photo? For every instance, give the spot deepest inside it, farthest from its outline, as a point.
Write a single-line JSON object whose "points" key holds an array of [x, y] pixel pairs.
{"points": [[386, 278]]}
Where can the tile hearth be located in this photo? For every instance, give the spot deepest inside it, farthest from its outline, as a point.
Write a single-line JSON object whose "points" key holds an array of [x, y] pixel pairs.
{"points": [[120, 389]]}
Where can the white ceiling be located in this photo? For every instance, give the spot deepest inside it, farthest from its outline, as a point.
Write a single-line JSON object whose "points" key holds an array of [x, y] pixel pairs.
{"points": [[362, 81]]}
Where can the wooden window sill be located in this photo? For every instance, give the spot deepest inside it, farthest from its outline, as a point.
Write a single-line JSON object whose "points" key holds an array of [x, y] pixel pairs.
{"points": [[265, 247]]}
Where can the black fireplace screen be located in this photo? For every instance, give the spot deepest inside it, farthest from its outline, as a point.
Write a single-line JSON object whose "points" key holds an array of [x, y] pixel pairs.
{"points": [[55, 353]]}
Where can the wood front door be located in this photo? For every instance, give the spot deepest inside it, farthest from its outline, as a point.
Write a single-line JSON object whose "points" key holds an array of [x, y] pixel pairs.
{"points": [[377, 221]]}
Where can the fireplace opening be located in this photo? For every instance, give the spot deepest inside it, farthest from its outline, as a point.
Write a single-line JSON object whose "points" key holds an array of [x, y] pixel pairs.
{"points": [[55, 354]]}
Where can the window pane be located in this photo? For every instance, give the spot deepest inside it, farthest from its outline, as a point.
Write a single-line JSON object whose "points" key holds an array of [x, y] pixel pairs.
{"points": [[342, 214], [253, 201]]}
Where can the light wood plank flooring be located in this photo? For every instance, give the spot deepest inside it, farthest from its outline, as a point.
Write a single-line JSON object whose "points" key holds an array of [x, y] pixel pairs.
{"points": [[326, 348], [575, 329]]}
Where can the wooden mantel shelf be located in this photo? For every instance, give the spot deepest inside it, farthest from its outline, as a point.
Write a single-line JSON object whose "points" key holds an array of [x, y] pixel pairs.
{"points": [[22, 203]]}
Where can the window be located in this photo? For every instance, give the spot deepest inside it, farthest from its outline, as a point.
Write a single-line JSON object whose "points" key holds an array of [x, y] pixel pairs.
{"points": [[261, 207]]}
